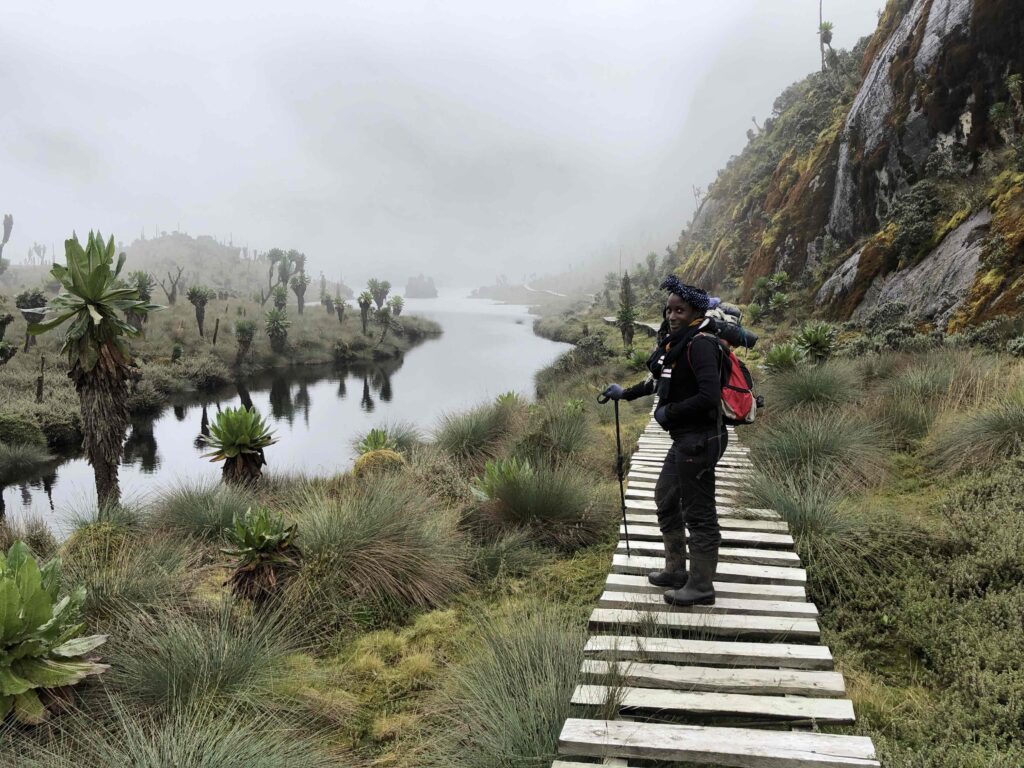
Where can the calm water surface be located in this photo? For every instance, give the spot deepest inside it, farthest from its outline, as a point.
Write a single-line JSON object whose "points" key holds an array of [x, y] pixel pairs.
{"points": [[316, 412]]}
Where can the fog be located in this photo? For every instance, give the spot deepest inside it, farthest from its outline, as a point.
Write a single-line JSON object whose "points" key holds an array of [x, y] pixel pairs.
{"points": [[461, 139]]}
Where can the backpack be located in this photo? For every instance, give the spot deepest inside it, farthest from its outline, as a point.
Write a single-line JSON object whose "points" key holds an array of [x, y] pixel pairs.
{"points": [[739, 406]]}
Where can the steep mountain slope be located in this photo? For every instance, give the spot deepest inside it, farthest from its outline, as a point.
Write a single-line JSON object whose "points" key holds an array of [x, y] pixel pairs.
{"points": [[898, 173]]}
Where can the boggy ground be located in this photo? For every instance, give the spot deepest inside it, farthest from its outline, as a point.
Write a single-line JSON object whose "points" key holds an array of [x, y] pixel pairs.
{"points": [[438, 616], [313, 338], [440, 611]]}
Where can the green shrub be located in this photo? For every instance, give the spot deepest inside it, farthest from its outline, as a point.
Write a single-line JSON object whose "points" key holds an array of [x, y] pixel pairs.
{"points": [[505, 705], [40, 643], [825, 385], [981, 438], [817, 341], [19, 461], [18, 428], [825, 442], [172, 658], [782, 357], [264, 553], [1016, 346], [556, 505], [384, 546], [201, 509], [146, 399], [205, 372], [375, 440]]}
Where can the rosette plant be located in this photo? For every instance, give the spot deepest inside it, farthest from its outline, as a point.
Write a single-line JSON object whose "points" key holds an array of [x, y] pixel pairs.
{"points": [[41, 642], [237, 437], [264, 551], [92, 298]]}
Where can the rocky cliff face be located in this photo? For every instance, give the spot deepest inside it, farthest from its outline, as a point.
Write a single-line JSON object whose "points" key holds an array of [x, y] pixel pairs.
{"points": [[892, 175]]}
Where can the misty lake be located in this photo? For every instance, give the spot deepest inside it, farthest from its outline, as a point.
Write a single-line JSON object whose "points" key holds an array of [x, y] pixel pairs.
{"points": [[318, 411]]}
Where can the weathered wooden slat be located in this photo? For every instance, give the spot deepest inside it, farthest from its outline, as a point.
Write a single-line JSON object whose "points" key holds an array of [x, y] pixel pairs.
{"points": [[766, 682], [661, 700], [679, 650], [724, 509], [725, 554], [646, 601], [775, 628], [625, 582], [736, 747], [747, 538], [765, 574], [634, 517]]}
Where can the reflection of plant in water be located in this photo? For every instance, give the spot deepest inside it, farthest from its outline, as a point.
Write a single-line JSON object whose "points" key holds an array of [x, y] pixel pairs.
{"points": [[179, 413], [302, 401], [281, 405], [141, 446], [367, 401], [204, 429]]}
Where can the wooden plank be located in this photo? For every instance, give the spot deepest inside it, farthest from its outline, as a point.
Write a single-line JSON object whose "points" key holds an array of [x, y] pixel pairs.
{"points": [[661, 700], [736, 747], [776, 628], [746, 538], [736, 523], [725, 554], [645, 601], [732, 523], [724, 510], [731, 654], [625, 582], [647, 506], [767, 682], [764, 574]]}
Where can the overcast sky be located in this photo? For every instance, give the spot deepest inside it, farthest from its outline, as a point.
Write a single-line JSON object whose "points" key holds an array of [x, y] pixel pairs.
{"points": [[461, 139]]}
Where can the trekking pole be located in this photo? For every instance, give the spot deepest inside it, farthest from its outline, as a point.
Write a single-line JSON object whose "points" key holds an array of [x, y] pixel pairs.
{"points": [[619, 470]]}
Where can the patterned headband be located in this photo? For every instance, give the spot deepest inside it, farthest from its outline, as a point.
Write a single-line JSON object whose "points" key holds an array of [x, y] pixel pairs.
{"points": [[695, 297]]}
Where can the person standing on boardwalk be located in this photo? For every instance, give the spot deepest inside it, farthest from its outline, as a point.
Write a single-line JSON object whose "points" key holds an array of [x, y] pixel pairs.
{"points": [[686, 368]]}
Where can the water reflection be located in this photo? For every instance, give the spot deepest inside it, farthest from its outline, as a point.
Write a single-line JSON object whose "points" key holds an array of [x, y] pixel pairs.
{"points": [[316, 412]]}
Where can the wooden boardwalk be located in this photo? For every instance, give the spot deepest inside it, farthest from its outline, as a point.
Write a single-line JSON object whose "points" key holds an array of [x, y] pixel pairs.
{"points": [[743, 683]]}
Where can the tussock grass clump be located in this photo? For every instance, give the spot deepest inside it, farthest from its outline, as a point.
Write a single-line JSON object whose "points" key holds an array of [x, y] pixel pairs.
{"points": [[200, 509], [981, 438], [828, 384], [124, 571], [830, 537], [32, 530], [563, 433], [510, 555], [173, 658], [385, 545], [20, 460], [505, 705], [911, 399], [821, 441], [478, 434], [557, 505], [200, 736]]}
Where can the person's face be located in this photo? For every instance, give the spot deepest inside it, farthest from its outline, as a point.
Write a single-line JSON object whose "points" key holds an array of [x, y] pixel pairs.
{"points": [[680, 313]]}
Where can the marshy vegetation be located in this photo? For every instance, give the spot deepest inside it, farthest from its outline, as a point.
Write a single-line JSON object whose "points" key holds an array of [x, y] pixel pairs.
{"points": [[426, 610]]}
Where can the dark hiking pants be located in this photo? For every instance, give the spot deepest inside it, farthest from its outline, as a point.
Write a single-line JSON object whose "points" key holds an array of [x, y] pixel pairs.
{"points": [[685, 493]]}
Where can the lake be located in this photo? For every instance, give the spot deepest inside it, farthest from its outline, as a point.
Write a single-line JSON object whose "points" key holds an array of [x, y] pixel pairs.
{"points": [[317, 412]]}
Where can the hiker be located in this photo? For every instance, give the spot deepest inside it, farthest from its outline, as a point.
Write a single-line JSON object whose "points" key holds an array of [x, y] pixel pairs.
{"points": [[686, 370]]}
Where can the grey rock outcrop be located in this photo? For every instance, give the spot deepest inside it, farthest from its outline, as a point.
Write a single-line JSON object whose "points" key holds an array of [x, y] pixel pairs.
{"points": [[934, 288]]}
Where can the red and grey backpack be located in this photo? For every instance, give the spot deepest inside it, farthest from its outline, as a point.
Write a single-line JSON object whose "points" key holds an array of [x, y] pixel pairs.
{"points": [[739, 406]]}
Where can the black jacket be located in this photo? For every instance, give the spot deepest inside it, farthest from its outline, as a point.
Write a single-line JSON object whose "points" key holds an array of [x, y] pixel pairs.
{"points": [[686, 374]]}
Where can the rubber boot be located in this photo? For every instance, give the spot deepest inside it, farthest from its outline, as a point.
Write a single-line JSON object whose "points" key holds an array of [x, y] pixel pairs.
{"points": [[700, 588], [674, 575]]}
